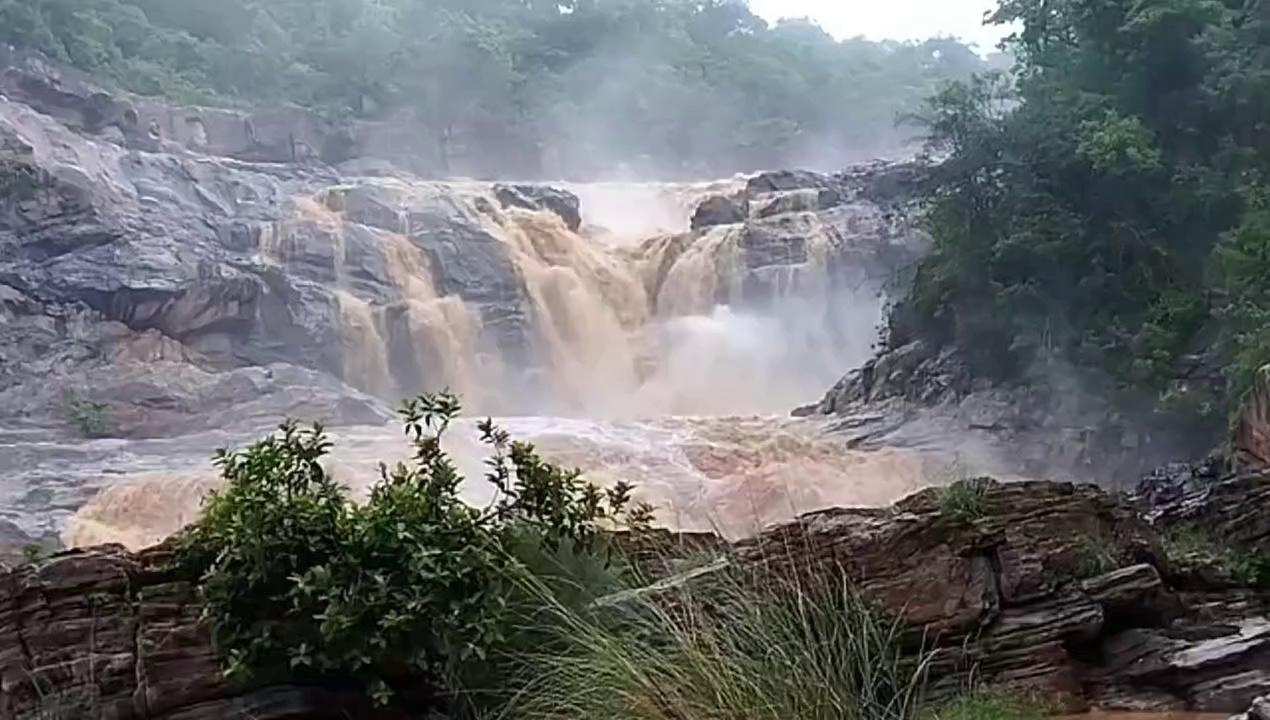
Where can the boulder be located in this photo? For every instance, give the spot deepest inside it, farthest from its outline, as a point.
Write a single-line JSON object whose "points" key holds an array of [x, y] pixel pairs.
{"points": [[541, 197], [719, 210], [1258, 710], [795, 201]]}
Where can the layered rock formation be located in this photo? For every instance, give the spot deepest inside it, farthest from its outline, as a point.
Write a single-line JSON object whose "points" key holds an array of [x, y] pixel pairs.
{"points": [[108, 635], [1056, 588], [1060, 588], [391, 285]]}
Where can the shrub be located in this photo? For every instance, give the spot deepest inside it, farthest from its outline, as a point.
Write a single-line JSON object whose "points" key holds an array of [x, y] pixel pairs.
{"points": [[411, 588], [91, 418], [728, 644], [18, 181]]}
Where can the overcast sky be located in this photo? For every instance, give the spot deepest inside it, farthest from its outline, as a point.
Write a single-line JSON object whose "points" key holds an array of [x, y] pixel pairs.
{"points": [[891, 19]]}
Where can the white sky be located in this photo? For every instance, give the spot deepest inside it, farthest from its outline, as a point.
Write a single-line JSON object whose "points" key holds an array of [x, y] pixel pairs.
{"points": [[891, 19]]}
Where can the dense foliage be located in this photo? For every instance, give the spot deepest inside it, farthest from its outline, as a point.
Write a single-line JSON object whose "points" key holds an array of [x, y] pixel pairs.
{"points": [[1104, 205], [670, 86], [413, 586]]}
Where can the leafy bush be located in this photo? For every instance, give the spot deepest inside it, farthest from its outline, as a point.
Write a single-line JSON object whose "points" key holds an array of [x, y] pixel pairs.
{"points": [[411, 588], [18, 180], [1076, 217], [91, 418], [728, 644], [965, 500]]}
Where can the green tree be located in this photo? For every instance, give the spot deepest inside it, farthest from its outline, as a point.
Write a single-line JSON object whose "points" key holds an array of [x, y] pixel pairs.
{"points": [[1079, 204]]}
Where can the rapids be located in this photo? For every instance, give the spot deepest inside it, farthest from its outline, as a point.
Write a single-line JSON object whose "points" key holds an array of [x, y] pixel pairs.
{"points": [[664, 357], [731, 475]]}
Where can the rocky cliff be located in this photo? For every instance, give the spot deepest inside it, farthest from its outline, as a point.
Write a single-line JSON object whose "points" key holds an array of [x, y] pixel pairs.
{"points": [[1056, 588]]}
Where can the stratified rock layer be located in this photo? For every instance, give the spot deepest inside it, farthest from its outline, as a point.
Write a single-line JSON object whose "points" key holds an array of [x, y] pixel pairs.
{"points": [[109, 635], [1052, 587], [1059, 587]]}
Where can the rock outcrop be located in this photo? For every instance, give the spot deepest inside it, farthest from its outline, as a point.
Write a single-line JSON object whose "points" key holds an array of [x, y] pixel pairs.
{"points": [[109, 635], [1060, 589], [1057, 588], [200, 254], [1258, 710], [1049, 425]]}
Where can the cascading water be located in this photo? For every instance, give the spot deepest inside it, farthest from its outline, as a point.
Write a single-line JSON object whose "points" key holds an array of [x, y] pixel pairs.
{"points": [[663, 356]]}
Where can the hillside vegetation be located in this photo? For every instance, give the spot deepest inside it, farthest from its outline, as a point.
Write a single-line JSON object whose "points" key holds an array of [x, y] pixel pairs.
{"points": [[667, 87], [1106, 205]]}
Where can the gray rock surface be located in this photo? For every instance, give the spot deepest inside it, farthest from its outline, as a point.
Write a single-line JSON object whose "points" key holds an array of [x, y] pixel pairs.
{"points": [[1258, 710], [1052, 425], [720, 210]]}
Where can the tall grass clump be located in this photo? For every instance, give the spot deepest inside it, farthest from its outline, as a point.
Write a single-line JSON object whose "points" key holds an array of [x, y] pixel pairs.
{"points": [[727, 645], [966, 500]]}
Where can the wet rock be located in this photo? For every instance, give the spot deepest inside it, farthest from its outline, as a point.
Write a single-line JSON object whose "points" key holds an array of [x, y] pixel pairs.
{"points": [[1258, 710], [795, 201], [541, 197], [784, 180], [719, 210], [1049, 424]]}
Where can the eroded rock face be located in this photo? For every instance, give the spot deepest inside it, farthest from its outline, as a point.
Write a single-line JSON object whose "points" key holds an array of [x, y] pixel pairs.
{"points": [[390, 285]]}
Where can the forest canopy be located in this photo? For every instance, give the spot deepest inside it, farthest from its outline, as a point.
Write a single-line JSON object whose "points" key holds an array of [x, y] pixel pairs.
{"points": [[665, 87], [1106, 205]]}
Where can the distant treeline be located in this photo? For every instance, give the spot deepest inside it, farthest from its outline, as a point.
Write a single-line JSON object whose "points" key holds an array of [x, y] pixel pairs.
{"points": [[670, 87]]}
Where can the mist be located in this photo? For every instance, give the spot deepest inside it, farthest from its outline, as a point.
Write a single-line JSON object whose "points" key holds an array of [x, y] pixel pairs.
{"points": [[577, 90]]}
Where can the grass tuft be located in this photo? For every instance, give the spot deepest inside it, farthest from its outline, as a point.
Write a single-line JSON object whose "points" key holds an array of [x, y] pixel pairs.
{"points": [[1097, 555], [727, 645], [966, 500]]}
